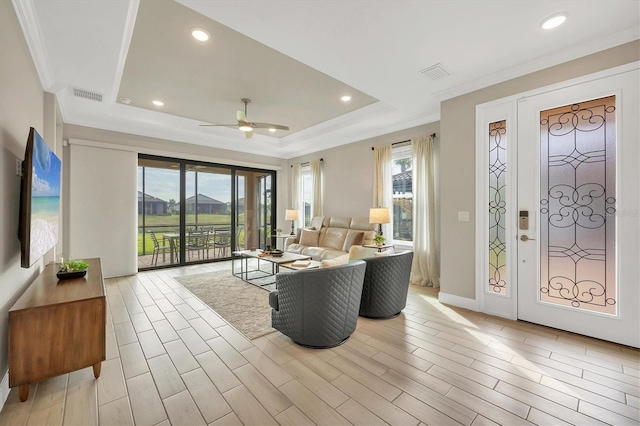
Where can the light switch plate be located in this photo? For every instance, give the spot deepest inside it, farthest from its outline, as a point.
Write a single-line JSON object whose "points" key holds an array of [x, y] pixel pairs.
{"points": [[18, 167], [463, 216]]}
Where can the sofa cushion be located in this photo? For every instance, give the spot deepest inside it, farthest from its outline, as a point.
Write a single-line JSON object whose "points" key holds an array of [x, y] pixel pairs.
{"points": [[316, 222], [295, 248], [315, 252], [334, 238], [331, 253], [336, 261], [353, 238], [309, 237], [362, 224], [339, 222]]}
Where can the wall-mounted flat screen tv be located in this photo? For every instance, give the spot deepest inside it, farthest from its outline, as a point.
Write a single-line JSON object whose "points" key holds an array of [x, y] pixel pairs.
{"points": [[39, 200]]}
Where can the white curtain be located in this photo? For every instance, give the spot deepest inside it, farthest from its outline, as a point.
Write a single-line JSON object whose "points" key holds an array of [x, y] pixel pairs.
{"points": [[296, 176], [316, 188], [424, 270], [383, 185]]}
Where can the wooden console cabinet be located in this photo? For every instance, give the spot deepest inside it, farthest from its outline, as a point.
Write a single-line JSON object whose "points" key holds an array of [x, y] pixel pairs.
{"points": [[57, 327]]}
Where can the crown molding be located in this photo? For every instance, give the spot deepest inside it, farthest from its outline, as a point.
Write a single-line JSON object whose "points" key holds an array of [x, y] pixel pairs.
{"points": [[354, 134], [129, 25], [28, 20], [342, 122]]}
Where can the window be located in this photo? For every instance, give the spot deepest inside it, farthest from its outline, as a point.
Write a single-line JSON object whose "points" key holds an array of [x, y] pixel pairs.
{"points": [[306, 197], [402, 193]]}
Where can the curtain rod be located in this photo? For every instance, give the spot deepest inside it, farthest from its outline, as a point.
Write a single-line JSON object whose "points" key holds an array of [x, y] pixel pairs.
{"points": [[304, 164], [433, 135]]}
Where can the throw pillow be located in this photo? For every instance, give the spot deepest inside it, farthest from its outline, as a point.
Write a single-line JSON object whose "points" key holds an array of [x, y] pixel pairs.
{"points": [[336, 261], [353, 238], [309, 238]]}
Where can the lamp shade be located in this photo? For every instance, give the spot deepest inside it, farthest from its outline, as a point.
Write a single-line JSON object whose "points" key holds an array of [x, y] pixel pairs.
{"points": [[291, 215], [379, 215]]}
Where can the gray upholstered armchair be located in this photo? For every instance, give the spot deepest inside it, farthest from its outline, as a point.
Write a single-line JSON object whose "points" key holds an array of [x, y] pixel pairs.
{"points": [[386, 283], [318, 307]]}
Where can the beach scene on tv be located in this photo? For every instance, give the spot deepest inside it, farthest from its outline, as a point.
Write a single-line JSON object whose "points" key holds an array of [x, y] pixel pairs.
{"points": [[45, 199]]}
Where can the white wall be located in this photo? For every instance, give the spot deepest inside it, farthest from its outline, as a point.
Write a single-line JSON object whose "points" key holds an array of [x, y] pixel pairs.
{"points": [[103, 204], [21, 107]]}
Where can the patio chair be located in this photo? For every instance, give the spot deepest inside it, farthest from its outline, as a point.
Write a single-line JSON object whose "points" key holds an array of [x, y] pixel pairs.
{"points": [[221, 242], [198, 241], [157, 248]]}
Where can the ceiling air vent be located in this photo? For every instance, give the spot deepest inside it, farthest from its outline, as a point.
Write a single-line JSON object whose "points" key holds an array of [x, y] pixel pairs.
{"points": [[86, 94], [434, 72]]}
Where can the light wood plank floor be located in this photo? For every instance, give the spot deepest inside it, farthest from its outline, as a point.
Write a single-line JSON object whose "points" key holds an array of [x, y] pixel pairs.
{"points": [[171, 360]]}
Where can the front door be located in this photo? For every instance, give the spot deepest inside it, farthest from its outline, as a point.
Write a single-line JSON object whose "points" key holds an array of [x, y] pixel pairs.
{"points": [[578, 185]]}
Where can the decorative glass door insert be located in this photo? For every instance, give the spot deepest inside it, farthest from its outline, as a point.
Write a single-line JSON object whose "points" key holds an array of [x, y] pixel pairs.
{"points": [[578, 205], [497, 207]]}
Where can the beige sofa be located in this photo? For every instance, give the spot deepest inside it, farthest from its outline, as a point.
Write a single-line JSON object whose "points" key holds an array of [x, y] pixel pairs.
{"points": [[334, 233]]}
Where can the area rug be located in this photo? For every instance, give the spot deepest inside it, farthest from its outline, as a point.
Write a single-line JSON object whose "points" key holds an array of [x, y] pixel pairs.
{"points": [[243, 305]]}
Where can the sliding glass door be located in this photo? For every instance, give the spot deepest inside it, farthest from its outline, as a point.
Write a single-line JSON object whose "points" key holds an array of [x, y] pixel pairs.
{"points": [[158, 220], [254, 219], [202, 212]]}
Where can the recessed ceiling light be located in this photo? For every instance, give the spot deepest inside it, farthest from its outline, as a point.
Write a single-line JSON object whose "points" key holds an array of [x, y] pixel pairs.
{"points": [[554, 21], [345, 98], [272, 130], [125, 101], [200, 34], [157, 103]]}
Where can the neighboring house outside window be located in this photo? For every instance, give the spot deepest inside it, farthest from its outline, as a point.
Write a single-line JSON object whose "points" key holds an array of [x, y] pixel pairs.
{"points": [[402, 193]]}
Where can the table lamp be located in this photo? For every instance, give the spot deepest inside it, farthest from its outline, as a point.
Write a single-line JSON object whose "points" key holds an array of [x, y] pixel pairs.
{"points": [[379, 215], [292, 215]]}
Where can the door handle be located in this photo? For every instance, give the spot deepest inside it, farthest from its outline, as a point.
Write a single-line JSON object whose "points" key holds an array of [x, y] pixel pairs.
{"points": [[525, 237]]}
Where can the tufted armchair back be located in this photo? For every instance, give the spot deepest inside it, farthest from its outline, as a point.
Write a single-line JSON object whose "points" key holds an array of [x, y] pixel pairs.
{"points": [[318, 307], [386, 284]]}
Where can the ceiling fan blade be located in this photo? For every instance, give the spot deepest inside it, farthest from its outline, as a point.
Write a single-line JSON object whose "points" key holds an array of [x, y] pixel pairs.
{"points": [[241, 116], [269, 126], [214, 125], [248, 134]]}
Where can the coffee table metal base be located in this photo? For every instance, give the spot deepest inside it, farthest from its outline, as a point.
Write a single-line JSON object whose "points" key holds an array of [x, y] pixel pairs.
{"points": [[253, 275]]}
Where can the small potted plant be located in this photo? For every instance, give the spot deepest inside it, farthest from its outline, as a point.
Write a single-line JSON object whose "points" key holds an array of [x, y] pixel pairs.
{"points": [[72, 269], [379, 239]]}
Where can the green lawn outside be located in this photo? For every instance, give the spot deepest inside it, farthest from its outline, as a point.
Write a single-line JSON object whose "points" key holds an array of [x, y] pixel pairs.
{"points": [[171, 223]]}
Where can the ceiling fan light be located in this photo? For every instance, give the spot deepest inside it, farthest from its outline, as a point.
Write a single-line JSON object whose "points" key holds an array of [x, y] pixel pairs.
{"points": [[245, 127]]}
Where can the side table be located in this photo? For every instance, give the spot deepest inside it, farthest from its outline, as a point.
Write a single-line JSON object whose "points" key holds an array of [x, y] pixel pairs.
{"points": [[381, 248]]}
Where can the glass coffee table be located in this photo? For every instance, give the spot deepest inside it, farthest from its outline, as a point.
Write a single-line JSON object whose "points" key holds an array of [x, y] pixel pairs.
{"points": [[258, 274]]}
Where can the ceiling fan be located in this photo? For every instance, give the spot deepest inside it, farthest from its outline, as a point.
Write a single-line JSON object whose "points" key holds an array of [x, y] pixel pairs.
{"points": [[248, 126]]}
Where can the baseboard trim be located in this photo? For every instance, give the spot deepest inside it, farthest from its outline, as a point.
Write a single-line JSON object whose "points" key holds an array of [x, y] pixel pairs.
{"points": [[461, 302], [4, 389]]}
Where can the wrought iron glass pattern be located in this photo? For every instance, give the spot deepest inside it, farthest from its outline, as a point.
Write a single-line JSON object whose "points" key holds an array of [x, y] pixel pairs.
{"points": [[578, 205], [497, 207]]}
